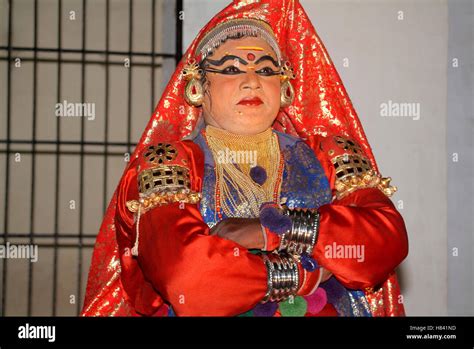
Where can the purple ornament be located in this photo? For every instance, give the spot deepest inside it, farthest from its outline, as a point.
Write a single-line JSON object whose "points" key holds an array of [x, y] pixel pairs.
{"points": [[258, 174], [266, 309], [308, 262], [334, 290], [271, 218]]}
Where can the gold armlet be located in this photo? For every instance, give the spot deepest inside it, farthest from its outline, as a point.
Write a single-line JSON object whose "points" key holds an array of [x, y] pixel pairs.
{"points": [[354, 172], [163, 185]]}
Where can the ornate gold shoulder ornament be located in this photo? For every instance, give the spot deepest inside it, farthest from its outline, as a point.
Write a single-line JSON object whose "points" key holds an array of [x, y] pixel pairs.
{"points": [[163, 179], [353, 169]]}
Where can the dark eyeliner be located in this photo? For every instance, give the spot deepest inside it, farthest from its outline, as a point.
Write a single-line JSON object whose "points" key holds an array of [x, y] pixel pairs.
{"points": [[271, 73], [222, 71]]}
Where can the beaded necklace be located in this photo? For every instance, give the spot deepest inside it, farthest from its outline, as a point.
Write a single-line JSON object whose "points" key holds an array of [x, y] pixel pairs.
{"points": [[231, 175]]}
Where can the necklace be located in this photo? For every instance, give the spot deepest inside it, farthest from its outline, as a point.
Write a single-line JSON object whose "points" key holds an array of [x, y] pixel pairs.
{"points": [[236, 193]]}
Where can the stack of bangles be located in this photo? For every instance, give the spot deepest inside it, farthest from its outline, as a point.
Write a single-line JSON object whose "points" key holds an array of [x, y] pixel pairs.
{"points": [[283, 278]]}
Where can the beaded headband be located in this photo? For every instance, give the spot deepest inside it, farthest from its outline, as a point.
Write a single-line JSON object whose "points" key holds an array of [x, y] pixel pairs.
{"points": [[237, 28]]}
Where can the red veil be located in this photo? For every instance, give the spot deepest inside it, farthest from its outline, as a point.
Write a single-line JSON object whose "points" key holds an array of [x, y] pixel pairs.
{"points": [[321, 106]]}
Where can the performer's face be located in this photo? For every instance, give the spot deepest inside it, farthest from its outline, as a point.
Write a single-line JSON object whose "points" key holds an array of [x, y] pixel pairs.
{"points": [[239, 69]]}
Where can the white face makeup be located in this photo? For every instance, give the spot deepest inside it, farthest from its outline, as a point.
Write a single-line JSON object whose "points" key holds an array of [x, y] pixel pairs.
{"points": [[242, 87]]}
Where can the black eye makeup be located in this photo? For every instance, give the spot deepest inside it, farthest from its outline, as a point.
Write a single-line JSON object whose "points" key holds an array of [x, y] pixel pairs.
{"points": [[230, 70], [267, 58], [234, 70], [224, 59], [267, 71]]}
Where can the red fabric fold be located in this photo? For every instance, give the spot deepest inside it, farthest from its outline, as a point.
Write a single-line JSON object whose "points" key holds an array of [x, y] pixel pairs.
{"points": [[138, 291], [372, 234]]}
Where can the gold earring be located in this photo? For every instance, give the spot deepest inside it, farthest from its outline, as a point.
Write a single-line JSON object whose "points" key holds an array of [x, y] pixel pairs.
{"points": [[194, 91], [287, 93]]}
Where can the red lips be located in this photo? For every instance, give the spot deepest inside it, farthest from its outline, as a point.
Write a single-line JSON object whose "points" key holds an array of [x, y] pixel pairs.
{"points": [[251, 101]]}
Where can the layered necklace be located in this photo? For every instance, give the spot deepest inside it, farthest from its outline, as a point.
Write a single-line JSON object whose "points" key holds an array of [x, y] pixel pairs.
{"points": [[248, 171]]}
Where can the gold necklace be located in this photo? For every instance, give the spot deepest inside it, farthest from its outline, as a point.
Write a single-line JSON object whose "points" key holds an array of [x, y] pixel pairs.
{"points": [[234, 156]]}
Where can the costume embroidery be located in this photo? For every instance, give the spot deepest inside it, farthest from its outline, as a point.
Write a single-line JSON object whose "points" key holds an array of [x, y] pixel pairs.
{"points": [[161, 153]]}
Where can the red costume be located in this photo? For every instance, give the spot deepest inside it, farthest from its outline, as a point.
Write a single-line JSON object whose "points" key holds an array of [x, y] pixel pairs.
{"points": [[180, 264]]}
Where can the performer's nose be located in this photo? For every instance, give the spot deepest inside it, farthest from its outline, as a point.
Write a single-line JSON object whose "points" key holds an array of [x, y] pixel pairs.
{"points": [[251, 80]]}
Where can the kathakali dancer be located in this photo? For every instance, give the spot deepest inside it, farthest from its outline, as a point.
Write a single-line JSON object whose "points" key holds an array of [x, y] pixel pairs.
{"points": [[253, 190]]}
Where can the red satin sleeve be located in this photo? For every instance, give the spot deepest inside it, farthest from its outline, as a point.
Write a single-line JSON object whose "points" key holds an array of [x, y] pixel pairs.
{"points": [[365, 218], [198, 274], [138, 291], [368, 221]]}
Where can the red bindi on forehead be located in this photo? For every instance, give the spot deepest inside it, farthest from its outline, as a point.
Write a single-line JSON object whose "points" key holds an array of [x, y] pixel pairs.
{"points": [[250, 56]]}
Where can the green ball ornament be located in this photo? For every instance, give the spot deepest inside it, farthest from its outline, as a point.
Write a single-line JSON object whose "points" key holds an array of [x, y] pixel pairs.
{"points": [[294, 306]]}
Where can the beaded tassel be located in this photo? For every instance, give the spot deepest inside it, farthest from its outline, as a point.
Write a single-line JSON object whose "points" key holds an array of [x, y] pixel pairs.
{"points": [[135, 246]]}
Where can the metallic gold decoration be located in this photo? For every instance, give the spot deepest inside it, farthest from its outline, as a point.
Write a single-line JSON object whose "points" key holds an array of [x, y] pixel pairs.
{"points": [[192, 71], [350, 165], [237, 28], [163, 198], [287, 93], [229, 176], [354, 171], [247, 2], [163, 185], [287, 72], [132, 205], [348, 145], [254, 48], [163, 178], [370, 179], [194, 91], [161, 153]]}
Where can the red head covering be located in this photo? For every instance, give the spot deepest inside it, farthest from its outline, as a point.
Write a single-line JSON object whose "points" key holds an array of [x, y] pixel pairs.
{"points": [[321, 106]]}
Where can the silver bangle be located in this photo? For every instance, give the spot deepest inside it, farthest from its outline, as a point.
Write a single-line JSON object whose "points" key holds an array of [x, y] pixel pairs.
{"points": [[304, 231], [282, 277]]}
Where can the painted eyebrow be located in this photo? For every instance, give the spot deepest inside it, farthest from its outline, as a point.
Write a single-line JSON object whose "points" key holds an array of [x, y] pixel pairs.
{"points": [[269, 58], [225, 59], [233, 57]]}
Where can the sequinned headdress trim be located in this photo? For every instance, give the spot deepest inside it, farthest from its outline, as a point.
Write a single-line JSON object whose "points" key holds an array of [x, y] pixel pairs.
{"points": [[237, 28]]}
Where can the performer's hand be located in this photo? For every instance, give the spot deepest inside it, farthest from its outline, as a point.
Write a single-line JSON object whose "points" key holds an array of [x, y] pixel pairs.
{"points": [[244, 231], [326, 275], [247, 232]]}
